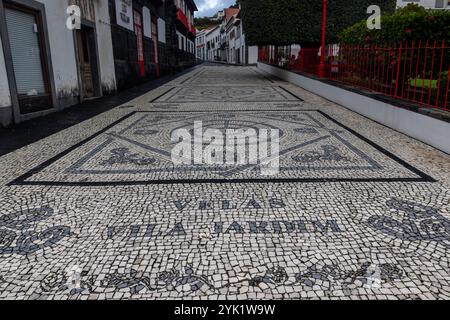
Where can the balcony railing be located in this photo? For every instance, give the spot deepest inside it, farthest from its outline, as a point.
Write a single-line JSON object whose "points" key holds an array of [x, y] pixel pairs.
{"points": [[184, 20]]}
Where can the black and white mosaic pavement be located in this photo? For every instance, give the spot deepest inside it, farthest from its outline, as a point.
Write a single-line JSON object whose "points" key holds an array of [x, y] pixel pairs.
{"points": [[137, 150], [99, 211]]}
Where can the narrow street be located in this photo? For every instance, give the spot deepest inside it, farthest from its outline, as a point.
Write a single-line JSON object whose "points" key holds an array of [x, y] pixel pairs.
{"points": [[102, 201]]}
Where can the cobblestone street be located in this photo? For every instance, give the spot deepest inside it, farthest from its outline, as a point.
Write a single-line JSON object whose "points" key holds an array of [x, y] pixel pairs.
{"points": [[99, 210]]}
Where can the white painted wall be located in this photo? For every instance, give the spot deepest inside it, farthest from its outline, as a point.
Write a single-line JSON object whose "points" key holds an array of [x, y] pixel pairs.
{"points": [[5, 96], [252, 54], [105, 48], [211, 36], [161, 30], [191, 46], [430, 4], [426, 129], [200, 43], [62, 50], [124, 14], [147, 21], [181, 40]]}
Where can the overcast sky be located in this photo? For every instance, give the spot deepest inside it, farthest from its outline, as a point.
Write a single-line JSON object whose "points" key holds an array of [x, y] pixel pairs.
{"points": [[207, 8]]}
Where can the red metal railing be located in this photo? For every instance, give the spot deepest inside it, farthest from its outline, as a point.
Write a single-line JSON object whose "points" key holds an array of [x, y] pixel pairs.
{"points": [[184, 20], [415, 72]]}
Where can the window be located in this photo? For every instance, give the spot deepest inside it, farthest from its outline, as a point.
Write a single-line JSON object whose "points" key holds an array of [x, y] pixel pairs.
{"points": [[439, 4]]}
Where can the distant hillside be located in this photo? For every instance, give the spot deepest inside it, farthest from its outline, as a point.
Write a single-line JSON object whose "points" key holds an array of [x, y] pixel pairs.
{"points": [[205, 22]]}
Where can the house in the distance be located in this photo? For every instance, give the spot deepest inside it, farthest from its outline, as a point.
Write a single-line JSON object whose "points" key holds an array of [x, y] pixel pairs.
{"points": [[200, 44], [237, 50], [213, 43], [226, 41]]}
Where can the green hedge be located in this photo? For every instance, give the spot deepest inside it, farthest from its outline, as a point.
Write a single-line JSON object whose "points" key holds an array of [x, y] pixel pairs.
{"points": [[408, 24], [282, 22]]}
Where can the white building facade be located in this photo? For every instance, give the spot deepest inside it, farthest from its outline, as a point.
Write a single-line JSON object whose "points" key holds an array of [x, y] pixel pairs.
{"points": [[429, 4], [237, 51], [226, 41], [45, 65], [213, 44], [186, 32], [200, 45]]}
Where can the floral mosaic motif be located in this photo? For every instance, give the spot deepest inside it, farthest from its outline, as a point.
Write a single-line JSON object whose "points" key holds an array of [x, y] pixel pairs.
{"points": [[170, 280], [187, 280], [17, 235], [311, 151], [306, 131], [21, 220], [331, 272], [411, 221], [276, 275], [124, 156], [59, 282], [330, 153], [184, 279]]}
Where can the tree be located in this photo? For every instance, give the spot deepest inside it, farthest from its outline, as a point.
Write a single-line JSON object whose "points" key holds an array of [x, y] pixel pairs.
{"points": [[412, 23], [283, 22]]}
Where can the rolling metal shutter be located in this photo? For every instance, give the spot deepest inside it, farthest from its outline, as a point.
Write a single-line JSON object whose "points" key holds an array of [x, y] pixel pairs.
{"points": [[26, 52]]}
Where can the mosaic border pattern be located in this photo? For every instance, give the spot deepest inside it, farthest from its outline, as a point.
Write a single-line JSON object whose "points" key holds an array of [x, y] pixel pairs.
{"points": [[22, 180], [159, 98]]}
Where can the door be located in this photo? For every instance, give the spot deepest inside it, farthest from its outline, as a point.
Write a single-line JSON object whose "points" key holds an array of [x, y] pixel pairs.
{"points": [[85, 62], [26, 41], [138, 29], [155, 43]]}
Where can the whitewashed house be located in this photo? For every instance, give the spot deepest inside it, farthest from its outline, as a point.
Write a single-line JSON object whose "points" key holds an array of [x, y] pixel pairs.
{"points": [[237, 51], [213, 43], [200, 44]]}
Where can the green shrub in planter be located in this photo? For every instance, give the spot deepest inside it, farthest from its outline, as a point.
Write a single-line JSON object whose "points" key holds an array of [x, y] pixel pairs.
{"points": [[284, 22]]}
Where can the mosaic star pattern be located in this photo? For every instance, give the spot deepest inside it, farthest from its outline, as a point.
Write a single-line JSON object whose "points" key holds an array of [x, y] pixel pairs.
{"points": [[138, 149], [99, 211]]}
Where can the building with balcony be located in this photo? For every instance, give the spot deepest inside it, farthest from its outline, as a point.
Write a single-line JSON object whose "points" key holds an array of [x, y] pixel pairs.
{"points": [[232, 45], [151, 38], [138, 34], [185, 32]]}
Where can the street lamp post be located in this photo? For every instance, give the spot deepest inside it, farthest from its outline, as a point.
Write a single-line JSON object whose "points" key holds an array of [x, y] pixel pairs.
{"points": [[322, 66]]}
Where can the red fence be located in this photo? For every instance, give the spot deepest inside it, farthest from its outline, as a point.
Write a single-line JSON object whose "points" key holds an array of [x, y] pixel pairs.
{"points": [[416, 72]]}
